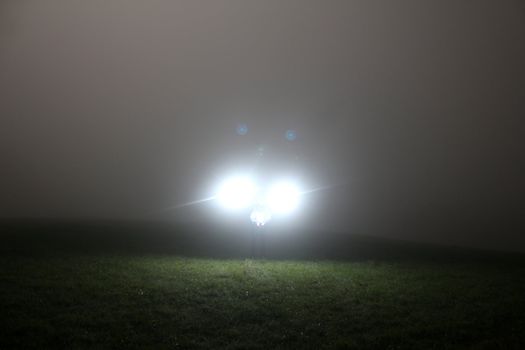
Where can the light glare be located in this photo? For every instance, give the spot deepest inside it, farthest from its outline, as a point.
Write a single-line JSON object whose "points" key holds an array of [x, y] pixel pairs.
{"points": [[260, 216], [283, 197], [237, 193]]}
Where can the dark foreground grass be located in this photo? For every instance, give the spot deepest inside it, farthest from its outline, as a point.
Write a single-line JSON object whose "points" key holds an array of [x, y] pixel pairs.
{"points": [[112, 301]]}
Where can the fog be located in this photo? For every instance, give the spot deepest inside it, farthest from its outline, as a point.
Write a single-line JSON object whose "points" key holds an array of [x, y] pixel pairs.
{"points": [[413, 112]]}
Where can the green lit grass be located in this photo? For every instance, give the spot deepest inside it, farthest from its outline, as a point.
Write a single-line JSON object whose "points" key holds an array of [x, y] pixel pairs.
{"points": [[129, 301]]}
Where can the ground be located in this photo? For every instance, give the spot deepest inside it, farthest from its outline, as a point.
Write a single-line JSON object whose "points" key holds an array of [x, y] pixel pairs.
{"points": [[86, 300]]}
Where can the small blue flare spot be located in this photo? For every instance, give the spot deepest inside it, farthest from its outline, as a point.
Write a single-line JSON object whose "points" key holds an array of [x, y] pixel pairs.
{"points": [[291, 135], [242, 129]]}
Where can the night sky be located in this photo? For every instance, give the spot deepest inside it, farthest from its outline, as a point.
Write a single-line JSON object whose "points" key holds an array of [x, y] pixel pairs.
{"points": [[413, 110]]}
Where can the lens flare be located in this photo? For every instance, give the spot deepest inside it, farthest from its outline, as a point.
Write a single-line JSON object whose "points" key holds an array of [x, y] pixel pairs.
{"points": [[290, 135], [242, 129]]}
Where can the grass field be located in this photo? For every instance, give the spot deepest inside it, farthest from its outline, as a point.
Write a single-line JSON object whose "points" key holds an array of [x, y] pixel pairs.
{"points": [[84, 285], [162, 301]]}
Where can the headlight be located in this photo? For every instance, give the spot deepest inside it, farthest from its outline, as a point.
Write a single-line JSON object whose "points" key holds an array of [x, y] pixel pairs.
{"points": [[237, 193], [283, 197]]}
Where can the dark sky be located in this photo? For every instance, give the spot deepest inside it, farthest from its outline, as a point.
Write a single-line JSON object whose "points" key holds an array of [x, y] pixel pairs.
{"points": [[121, 108]]}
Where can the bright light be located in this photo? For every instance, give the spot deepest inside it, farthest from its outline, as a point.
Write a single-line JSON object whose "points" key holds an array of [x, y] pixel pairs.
{"points": [[237, 193], [260, 216], [283, 197]]}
